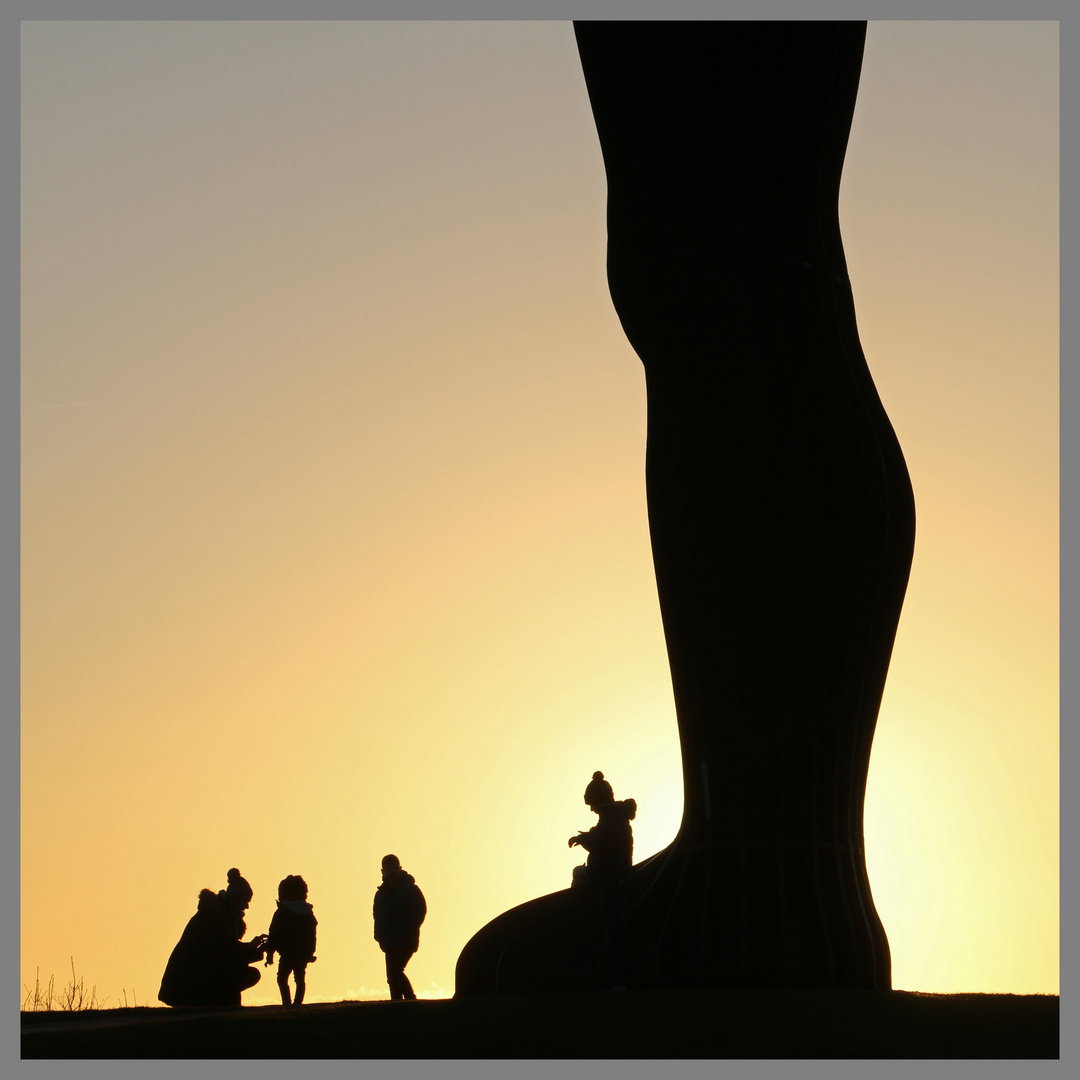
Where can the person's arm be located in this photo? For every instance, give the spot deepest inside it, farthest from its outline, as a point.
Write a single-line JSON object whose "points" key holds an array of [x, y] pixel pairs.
{"points": [[273, 938], [251, 950], [587, 840]]}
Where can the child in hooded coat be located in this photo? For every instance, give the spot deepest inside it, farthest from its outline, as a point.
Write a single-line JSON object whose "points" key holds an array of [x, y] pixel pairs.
{"points": [[610, 842], [292, 935]]}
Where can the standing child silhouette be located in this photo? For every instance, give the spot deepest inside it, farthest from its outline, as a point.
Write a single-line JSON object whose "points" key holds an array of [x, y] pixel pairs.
{"points": [[292, 935]]}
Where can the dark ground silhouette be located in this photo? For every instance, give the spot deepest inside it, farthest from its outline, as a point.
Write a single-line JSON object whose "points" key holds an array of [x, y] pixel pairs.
{"points": [[780, 510], [702, 1024]]}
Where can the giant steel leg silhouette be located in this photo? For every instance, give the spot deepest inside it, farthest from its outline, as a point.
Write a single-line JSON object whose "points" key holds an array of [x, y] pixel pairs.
{"points": [[780, 509]]}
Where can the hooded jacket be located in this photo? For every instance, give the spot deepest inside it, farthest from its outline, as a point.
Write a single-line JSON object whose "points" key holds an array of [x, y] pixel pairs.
{"points": [[610, 842], [292, 932], [207, 965], [399, 910]]}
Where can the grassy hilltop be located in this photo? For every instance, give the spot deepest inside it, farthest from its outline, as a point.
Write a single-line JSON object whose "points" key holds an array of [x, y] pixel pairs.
{"points": [[634, 1024]]}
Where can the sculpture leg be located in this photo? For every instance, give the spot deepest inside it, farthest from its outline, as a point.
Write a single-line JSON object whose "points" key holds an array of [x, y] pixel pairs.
{"points": [[780, 509]]}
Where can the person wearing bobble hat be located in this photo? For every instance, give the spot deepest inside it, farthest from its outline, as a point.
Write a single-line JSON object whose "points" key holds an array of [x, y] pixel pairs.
{"points": [[210, 964], [610, 844], [598, 792]]}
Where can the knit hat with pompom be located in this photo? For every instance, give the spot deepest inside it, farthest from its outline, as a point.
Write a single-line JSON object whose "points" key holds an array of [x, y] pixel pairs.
{"points": [[238, 888], [599, 792]]}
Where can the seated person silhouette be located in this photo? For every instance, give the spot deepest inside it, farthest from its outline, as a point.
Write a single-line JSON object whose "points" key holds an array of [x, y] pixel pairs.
{"points": [[210, 964], [610, 843], [606, 873], [292, 936]]}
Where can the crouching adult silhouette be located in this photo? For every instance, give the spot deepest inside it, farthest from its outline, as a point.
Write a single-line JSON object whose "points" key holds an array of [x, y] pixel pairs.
{"points": [[210, 963]]}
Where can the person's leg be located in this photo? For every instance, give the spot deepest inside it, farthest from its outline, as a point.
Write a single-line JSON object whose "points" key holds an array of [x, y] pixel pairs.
{"points": [[299, 974], [244, 979], [400, 987], [406, 986], [283, 981], [393, 974]]}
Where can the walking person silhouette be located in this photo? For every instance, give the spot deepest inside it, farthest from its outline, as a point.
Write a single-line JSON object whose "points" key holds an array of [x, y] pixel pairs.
{"points": [[399, 910]]}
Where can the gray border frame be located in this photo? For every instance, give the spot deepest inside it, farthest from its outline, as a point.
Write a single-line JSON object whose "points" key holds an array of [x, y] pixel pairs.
{"points": [[10, 17]]}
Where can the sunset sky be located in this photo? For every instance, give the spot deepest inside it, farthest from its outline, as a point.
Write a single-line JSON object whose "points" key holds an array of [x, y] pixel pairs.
{"points": [[334, 534]]}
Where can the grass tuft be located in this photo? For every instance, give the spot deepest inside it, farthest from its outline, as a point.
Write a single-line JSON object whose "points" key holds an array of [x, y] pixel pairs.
{"points": [[73, 998]]}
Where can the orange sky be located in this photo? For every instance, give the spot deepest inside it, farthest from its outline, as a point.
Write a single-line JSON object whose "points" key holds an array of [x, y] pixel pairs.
{"points": [[334, 536]]}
